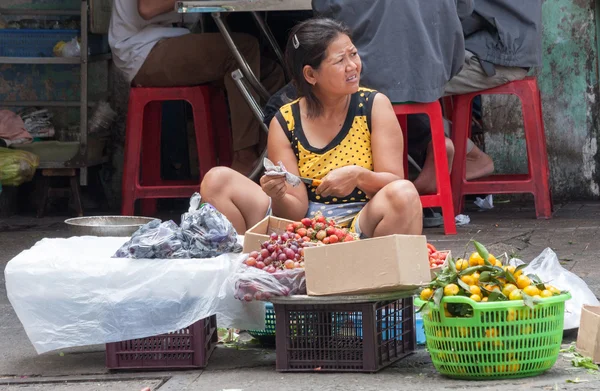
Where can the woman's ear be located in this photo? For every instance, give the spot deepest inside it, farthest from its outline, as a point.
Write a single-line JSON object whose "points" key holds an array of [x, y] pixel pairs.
{"points": [[310, 74]]}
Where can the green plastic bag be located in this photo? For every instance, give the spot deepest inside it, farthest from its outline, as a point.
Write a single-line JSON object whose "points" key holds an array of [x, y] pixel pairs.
{"points": [[17, 167]]}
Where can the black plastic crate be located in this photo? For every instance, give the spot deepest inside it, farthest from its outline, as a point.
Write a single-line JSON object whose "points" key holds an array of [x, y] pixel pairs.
{"points": [[363, 337]]}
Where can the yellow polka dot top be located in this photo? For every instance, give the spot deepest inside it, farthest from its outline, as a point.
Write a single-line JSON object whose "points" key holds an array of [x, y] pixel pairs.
{"points": [[352, 145]]}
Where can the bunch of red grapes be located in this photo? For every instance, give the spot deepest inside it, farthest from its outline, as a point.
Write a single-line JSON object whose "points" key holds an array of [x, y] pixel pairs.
{"points": [[279, 253]]}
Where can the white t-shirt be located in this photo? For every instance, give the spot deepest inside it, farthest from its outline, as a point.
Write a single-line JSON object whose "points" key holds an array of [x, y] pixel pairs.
{"points": [[131, 38]]}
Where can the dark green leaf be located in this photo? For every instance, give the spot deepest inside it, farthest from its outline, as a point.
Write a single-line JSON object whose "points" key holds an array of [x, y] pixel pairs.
{"points": [[520, 267], [464, 285], [438, 295], [528, 300], [452, 265], [459, 309], [483, 252], [422, 307], [470, 270], [537, 282], [445, 278], [497, 296], [485, 276], [510, 278]]}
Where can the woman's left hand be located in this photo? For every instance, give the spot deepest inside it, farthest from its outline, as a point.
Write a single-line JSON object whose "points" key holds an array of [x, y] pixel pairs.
{"points": [[339, 182]]}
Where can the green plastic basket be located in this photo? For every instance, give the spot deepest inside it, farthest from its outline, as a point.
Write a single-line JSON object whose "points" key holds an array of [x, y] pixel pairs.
{"points": [[502, 339], [268, 334]]}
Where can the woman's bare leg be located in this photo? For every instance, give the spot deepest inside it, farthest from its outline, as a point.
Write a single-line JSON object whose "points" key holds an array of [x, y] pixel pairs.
{"points": [[242, 201], [425, 182], [395, 209]]}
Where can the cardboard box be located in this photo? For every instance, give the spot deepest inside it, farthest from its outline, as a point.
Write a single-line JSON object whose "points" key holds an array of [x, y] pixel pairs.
{"points": [[260, 233], [379, 265], [588, 338]]}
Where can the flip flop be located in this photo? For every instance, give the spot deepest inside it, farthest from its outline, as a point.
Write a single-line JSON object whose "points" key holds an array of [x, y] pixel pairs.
{"points": [[432, 219]]}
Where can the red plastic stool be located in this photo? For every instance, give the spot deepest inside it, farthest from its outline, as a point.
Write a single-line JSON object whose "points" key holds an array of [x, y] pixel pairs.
{"points": [[142, 143], [443, 197], [535, 181]]}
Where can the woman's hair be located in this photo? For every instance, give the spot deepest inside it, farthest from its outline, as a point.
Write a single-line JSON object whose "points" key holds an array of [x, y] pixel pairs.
{"points": [[307, 45]]}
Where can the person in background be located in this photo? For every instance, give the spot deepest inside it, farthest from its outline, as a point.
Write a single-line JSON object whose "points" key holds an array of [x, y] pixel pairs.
{"points": [[503, 41], [151, 52], [337, 132]]}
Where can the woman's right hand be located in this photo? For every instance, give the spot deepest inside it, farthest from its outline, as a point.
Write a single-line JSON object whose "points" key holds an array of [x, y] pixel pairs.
{"points": [[274, 186]]}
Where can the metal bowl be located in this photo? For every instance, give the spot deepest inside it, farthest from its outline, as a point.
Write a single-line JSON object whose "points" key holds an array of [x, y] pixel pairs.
{"points": [[106, 225]]}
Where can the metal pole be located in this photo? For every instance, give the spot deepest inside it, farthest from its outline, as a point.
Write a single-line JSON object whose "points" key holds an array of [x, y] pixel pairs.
{"points": [[269, 34], [245, 68], [83, 115], [238, 79]]}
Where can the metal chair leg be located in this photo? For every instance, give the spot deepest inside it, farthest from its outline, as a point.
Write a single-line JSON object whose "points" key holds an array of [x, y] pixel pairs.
{"points": [[245, 68], [266, 30], [240, 82]]}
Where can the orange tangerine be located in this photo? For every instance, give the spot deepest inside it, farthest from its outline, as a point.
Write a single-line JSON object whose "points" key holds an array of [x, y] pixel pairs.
{"points": [[531, 290], [451, 290], [476, 260], [523, 281]]}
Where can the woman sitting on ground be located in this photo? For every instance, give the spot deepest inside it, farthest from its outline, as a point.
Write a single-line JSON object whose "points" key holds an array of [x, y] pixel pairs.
{"points": [[338, 132]]}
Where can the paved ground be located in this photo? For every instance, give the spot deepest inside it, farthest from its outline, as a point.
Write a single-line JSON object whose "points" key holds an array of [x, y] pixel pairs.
{"points": [[573, 234]]}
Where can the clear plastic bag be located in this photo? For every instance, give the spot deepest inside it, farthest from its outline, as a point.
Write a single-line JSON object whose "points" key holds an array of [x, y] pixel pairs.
{"points": [[204, 233], [70, 292], [16, 166], [250, 283], [67, 49], [207, 232], [550, 271]]}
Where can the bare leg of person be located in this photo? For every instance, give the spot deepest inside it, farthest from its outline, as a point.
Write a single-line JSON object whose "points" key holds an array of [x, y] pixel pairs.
{"points": [[425, 182], [242, 201], [479, 164], [395, 209]]}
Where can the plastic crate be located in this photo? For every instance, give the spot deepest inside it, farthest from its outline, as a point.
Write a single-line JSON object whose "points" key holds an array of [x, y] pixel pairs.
{"points": [[190, 347], [40, 43], [502, 339], [266, 336], [363, 337]]}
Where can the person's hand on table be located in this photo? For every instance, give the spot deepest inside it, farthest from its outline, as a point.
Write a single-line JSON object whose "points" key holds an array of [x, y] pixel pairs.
{"points": [[339, 182]]}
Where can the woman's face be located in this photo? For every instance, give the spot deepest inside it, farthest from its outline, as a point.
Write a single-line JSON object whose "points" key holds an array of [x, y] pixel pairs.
{"points": [[339, 73]]}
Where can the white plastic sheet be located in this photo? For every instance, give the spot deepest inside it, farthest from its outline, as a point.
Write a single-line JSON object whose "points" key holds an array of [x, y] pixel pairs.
{"points": [[70, 292], [547, 267]]}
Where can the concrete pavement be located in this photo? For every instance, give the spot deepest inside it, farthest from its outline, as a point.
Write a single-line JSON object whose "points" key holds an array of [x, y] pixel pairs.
{"points": [[573, 234]]}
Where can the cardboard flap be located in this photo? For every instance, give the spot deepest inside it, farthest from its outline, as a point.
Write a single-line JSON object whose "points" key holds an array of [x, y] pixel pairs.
{"points": [[588, 338]]}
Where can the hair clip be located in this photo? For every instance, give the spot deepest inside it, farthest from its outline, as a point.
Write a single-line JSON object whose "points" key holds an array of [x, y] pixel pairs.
{"points": [[295, 42]]}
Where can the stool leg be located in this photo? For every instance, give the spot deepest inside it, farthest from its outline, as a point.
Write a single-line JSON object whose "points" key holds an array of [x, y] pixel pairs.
{"points": [[537, 155], [442, 175], [203, 126], [45, 190], [403, 120], [461, 127], [221, 126], [133, 148], [151, 153], [76, 195]]}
